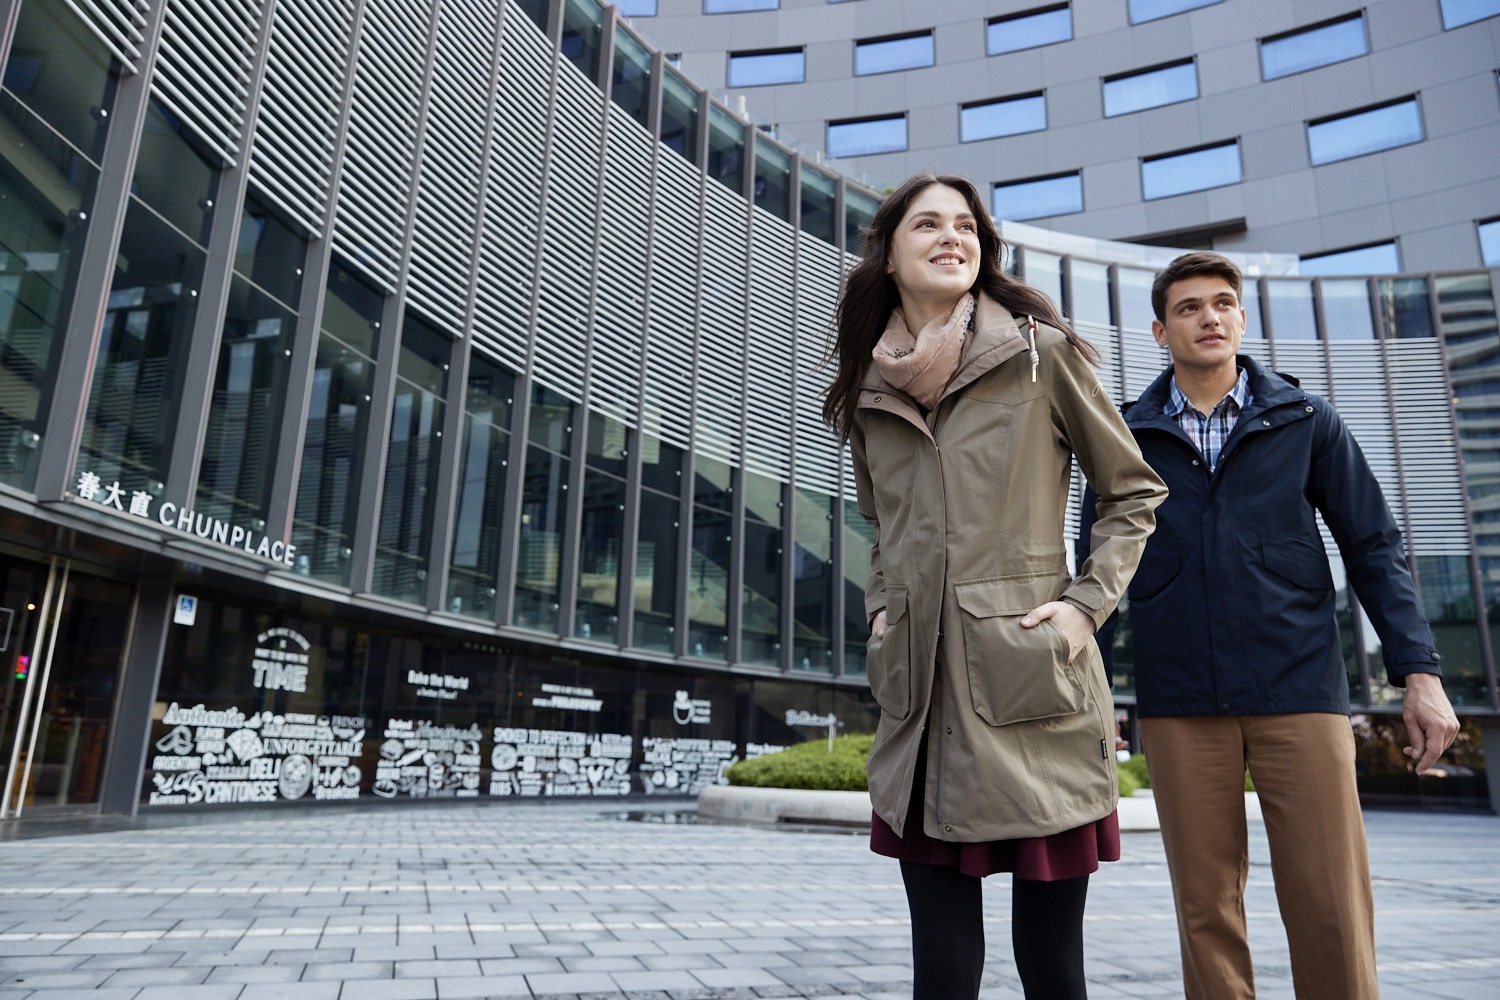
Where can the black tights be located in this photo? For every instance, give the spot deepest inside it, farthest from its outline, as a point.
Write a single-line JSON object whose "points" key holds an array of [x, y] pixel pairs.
{"points": [[947, 934]]}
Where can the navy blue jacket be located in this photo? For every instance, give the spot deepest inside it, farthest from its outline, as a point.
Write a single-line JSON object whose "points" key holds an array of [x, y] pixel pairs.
{"points": [[1232, 608]]}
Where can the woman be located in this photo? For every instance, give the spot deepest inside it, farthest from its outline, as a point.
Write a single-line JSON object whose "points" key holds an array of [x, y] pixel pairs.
{"points": [[964, 397]]}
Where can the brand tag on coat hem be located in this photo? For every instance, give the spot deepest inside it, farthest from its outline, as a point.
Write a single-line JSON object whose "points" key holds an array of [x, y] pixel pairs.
{"points": [[1103, 750]]}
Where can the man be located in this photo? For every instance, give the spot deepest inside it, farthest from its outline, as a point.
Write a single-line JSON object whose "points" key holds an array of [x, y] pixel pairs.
{"points": [[1237, 652]]}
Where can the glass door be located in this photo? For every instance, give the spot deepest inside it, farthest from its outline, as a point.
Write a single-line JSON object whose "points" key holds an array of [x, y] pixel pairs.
{"points": [[62, 638]]}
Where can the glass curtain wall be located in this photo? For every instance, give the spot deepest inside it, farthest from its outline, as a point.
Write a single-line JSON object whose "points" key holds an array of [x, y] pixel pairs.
{"points": [[544, 496], [404, 532], [708, 581], [657, 546], [761, 596], [474, 568], [333, 448], [59, 86], [603, 534], [859, 541], [812, 573], [249, 397], [148, 327]]}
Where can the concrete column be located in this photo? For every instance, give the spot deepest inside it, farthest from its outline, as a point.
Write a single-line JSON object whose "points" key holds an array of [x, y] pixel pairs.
{"points": [[1489, 740]]}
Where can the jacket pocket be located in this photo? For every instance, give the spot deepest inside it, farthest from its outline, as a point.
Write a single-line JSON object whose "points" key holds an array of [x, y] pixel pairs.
{"points": [[1299, 563], [1157, 569], [1015, 674], [888, 660]]}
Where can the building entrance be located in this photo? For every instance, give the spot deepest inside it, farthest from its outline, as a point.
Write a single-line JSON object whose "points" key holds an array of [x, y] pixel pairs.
{"points": [[63, 634]]}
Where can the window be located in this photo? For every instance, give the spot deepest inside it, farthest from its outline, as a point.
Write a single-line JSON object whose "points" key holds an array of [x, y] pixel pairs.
{"points": [[632, 82], [1308, 48], [474, 575], [736, 6], [1042, 26], [1150, 10], [726, 149], [1038, 197], [1457, 13], [1380, 258], [867, 136], [893, 53], [819, 203], [1191, 170], [859, 212], [1002, 116], [759, 69], [637, 8], [1150, 88], [1489, 242], [1346, 310], [679, 116], [1398, 123]]}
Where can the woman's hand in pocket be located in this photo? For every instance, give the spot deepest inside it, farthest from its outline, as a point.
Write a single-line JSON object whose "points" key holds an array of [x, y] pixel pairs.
{"points": [[877, 627], [1076, 626]]}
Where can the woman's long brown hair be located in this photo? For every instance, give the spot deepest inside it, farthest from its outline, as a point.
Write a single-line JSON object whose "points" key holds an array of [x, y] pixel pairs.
{"points": [[870, 294]]}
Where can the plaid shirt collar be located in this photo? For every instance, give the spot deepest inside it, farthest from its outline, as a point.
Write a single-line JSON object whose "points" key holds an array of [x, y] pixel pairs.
{"points": [[1208, 432], [1237, 399]]}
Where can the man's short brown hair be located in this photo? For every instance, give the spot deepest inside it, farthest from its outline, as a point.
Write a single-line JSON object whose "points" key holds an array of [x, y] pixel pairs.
{"points": [[1191, 265]]}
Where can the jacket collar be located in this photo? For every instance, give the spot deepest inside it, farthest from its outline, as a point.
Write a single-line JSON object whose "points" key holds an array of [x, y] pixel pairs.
{"points": [[1267, 389]]}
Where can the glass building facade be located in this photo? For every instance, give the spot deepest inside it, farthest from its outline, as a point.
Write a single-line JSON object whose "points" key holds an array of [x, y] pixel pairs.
{"points": [[439, 416]]}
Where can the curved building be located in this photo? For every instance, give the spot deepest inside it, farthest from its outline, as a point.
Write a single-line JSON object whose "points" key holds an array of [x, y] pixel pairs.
{"points": [[1360, 137], [419, 398]]}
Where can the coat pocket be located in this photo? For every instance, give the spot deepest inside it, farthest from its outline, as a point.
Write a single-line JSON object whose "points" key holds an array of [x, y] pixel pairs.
{"points": [[1015, 674], [888, 660]]}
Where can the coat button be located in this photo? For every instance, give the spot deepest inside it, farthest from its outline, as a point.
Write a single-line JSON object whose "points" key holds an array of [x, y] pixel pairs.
{"points": [[1195, 461], [1309, 409], [1223, 706], [1266, 423], [877, 399], [947, 828], [950, 730]]}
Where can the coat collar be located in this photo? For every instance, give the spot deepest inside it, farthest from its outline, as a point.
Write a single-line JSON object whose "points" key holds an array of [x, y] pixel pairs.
{"points": [[996, 338], [1267, 389]]}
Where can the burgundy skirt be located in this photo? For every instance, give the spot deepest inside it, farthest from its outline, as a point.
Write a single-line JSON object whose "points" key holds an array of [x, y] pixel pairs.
{"points": [[1069, 854]]}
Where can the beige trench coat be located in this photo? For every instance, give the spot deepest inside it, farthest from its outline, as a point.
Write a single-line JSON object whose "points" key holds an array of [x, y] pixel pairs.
{"points": [[968, 508]]}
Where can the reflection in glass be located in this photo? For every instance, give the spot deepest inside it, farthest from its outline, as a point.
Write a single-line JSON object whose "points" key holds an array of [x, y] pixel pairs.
{"points": [[1039, 198], [1448, 600], [333, 448], [859, 212], [1003, 116], [889, 55], [1380, 259], [175, 174], [708, 585], [1196, 170], [812, 573], [1489, 242], [249, 398], [773, 179], [599, 556], [1405, 307], [1308, 48], [42, 192], [404, 531], [1135, 298], [143, 346], [1150, 10], [1292, 316], [1250, 301], [859, 541], [1150, 89], [819, 200], [473, 574], [736, 6], [1457, 13], [1044, 272], [1346, 310], [544, 494], [270, 253], [632, 80], [679, 116], [726, 149], [656, 547], [1028, 30], [713, 484], [582, 32], [1385, 127], [63, 74], [1091, 293], [761, 597], [867, 136], [759, 69]]}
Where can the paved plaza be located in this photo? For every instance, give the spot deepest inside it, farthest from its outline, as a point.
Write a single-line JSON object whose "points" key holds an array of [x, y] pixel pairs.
{"points": [[571, 900]]}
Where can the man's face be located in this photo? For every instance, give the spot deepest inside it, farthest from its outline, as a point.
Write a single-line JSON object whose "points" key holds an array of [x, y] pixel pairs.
{"points": [[1204, 323]]}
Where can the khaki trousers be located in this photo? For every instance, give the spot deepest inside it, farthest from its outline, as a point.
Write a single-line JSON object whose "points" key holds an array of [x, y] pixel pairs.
{"points": [[1303, 769]]}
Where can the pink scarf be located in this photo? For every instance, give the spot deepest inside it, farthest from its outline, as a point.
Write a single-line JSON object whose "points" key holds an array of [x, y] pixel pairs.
{"points": [[923, 365]]}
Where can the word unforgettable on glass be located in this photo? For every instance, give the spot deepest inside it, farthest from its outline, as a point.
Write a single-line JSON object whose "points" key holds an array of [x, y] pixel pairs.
{"points": [[185, 520]]}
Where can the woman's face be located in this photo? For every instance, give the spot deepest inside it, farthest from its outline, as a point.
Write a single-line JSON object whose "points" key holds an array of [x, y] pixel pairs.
{"points": [[934, 256]]}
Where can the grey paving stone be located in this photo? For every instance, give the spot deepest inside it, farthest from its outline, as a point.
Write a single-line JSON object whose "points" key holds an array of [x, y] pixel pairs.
{"points": [[292, 991], [348, 970], [570, 982], [392, 989], [488, 987]]}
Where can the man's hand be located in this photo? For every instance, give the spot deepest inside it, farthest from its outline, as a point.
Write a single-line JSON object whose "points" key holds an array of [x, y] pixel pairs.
{"points": [[1070, 621], [1430, 722], [878, 625]]}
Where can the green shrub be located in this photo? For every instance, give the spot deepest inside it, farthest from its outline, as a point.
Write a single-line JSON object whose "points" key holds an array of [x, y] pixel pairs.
{"points": [[809, 765]]}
